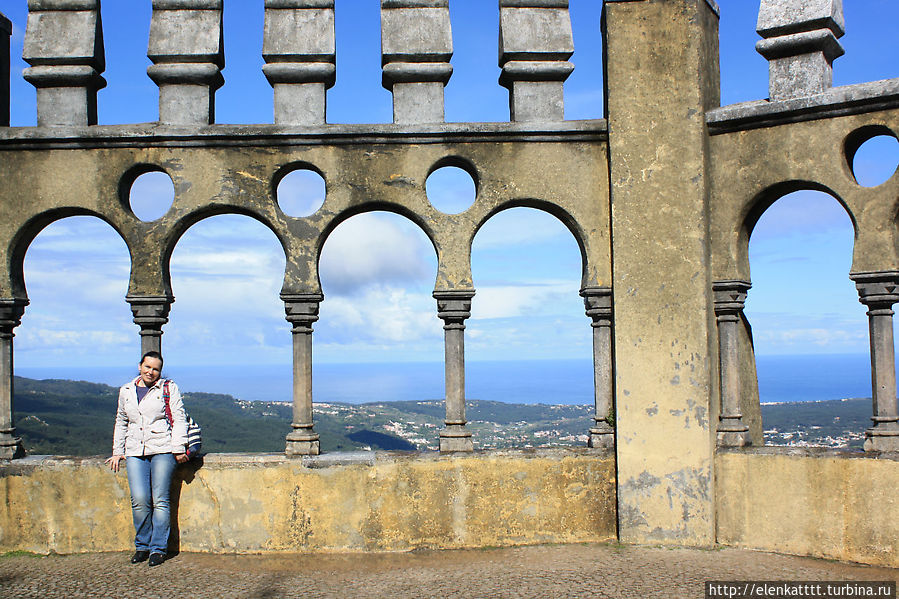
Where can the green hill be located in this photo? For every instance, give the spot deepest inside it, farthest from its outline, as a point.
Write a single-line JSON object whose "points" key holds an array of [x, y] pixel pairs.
{"points": [[60, 417]]}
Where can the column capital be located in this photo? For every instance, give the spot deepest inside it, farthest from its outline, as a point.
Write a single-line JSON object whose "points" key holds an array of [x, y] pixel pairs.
{"points": [[301, 310], [730, 296], [150, 311], [454, 307], [598, 304], [11, 311], [877, 290]]}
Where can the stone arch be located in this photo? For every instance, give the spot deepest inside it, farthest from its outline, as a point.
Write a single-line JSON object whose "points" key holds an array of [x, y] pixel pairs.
{"points": [[566, 218], [184, 223], [21, 241], [754, 209], [370, 207]]}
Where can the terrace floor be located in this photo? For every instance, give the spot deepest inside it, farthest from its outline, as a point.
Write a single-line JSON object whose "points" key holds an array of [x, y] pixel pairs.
{"points": [[594, 570]]}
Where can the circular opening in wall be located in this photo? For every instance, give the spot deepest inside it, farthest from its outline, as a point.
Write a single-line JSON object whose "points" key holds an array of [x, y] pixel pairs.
{"points": [[451, 189], [301, 192], [151, 195], [875, 160]]}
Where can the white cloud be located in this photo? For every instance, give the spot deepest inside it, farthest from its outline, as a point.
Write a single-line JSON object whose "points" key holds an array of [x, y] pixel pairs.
{"points": [[506, 301], [372, 249], [521, 226]]}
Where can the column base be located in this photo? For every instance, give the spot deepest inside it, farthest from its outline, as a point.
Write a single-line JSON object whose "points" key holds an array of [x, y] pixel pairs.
{"points": [[601, 435], [883, 437], [11, 448], [302, 443], [601, 439], [734, 438], [455, 440]]}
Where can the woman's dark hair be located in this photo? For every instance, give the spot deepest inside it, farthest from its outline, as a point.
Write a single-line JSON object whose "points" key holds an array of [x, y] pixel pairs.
{"points": [[151, 354]]}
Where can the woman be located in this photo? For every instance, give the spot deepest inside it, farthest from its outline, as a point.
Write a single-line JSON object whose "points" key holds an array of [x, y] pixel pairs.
{"points": [[151, 447]]}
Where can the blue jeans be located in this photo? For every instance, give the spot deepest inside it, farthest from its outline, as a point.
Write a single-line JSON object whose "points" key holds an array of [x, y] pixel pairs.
{"points": [[150, 478]]}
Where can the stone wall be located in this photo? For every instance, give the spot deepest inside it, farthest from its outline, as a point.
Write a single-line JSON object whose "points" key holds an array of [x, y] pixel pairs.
{"points": [[823, 503], [365, 501]]}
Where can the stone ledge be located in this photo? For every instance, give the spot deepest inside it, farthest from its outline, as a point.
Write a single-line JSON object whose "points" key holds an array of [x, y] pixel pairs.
{"points": [[812, 452], [326, 460], [837, 101], [155, 134]]}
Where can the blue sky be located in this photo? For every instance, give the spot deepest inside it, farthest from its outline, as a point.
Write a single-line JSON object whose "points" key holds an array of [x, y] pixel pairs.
{"points": [[378, 270]]}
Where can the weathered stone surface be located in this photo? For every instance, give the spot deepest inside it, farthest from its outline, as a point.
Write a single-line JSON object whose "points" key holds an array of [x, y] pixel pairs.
{"points": [[800, 45], [262, 503], [535, 43], [809, 502], [299, 50], [187, 50], [64, 46], [416, 46], [5, 33], [665, 372]]}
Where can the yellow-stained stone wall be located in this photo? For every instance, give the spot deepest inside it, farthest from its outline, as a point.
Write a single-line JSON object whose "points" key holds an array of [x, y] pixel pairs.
{"points": [[823, 503], [373, 502]]}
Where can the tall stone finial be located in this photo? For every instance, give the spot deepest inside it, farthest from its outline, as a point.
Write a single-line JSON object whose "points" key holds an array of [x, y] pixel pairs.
{"points": [[5, 33], [187, 51], [299, 52], [64, 46], [416, 46], [800, 45], [535, 43]]}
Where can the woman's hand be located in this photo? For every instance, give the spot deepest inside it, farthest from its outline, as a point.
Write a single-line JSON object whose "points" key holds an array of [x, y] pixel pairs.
{"points": [[181, 458], [114, 461]]}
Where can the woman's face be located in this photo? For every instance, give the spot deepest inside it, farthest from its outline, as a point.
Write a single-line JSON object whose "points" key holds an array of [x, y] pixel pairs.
{"points": [[150, 369]]}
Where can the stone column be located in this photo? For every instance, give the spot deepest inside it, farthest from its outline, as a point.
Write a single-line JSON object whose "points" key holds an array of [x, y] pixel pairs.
{"points": [[730, 297], [800, 45], [299, 52], [598, 302], [5, 33], [879, 291], [64, 46], [535, 43], [302, 311], [11, 311], [416, 46], [151, 312], [453, 307], [187, 51]]}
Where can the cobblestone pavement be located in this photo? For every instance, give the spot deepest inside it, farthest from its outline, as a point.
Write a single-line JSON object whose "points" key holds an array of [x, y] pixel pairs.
{"points": [[542, 571]]}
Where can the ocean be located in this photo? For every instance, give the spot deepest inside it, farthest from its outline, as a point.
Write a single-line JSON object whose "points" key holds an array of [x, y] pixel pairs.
{"points": [[781, 379]]}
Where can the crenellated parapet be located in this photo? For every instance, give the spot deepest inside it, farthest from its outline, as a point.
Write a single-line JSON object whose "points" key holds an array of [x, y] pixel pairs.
{"points": [[801, 43], [535, 43], [299, 51], [416, 46], [64, 46], [188, 54]]}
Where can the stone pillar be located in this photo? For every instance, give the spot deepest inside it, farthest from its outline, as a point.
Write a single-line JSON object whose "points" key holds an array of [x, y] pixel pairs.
{"points": [[151, 312], [187, 51], [879, 291], [302, 311], [453, 307], [800, 45], [5, 33], [730, 296], [299, 52], [598, 302], [416, 46], [661, 78], [11, 311], [535, 43], [64, 46]]}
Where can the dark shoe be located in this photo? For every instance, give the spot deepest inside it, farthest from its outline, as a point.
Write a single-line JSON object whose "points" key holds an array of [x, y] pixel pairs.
{"points": [[139, 556], [156, 559]]}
